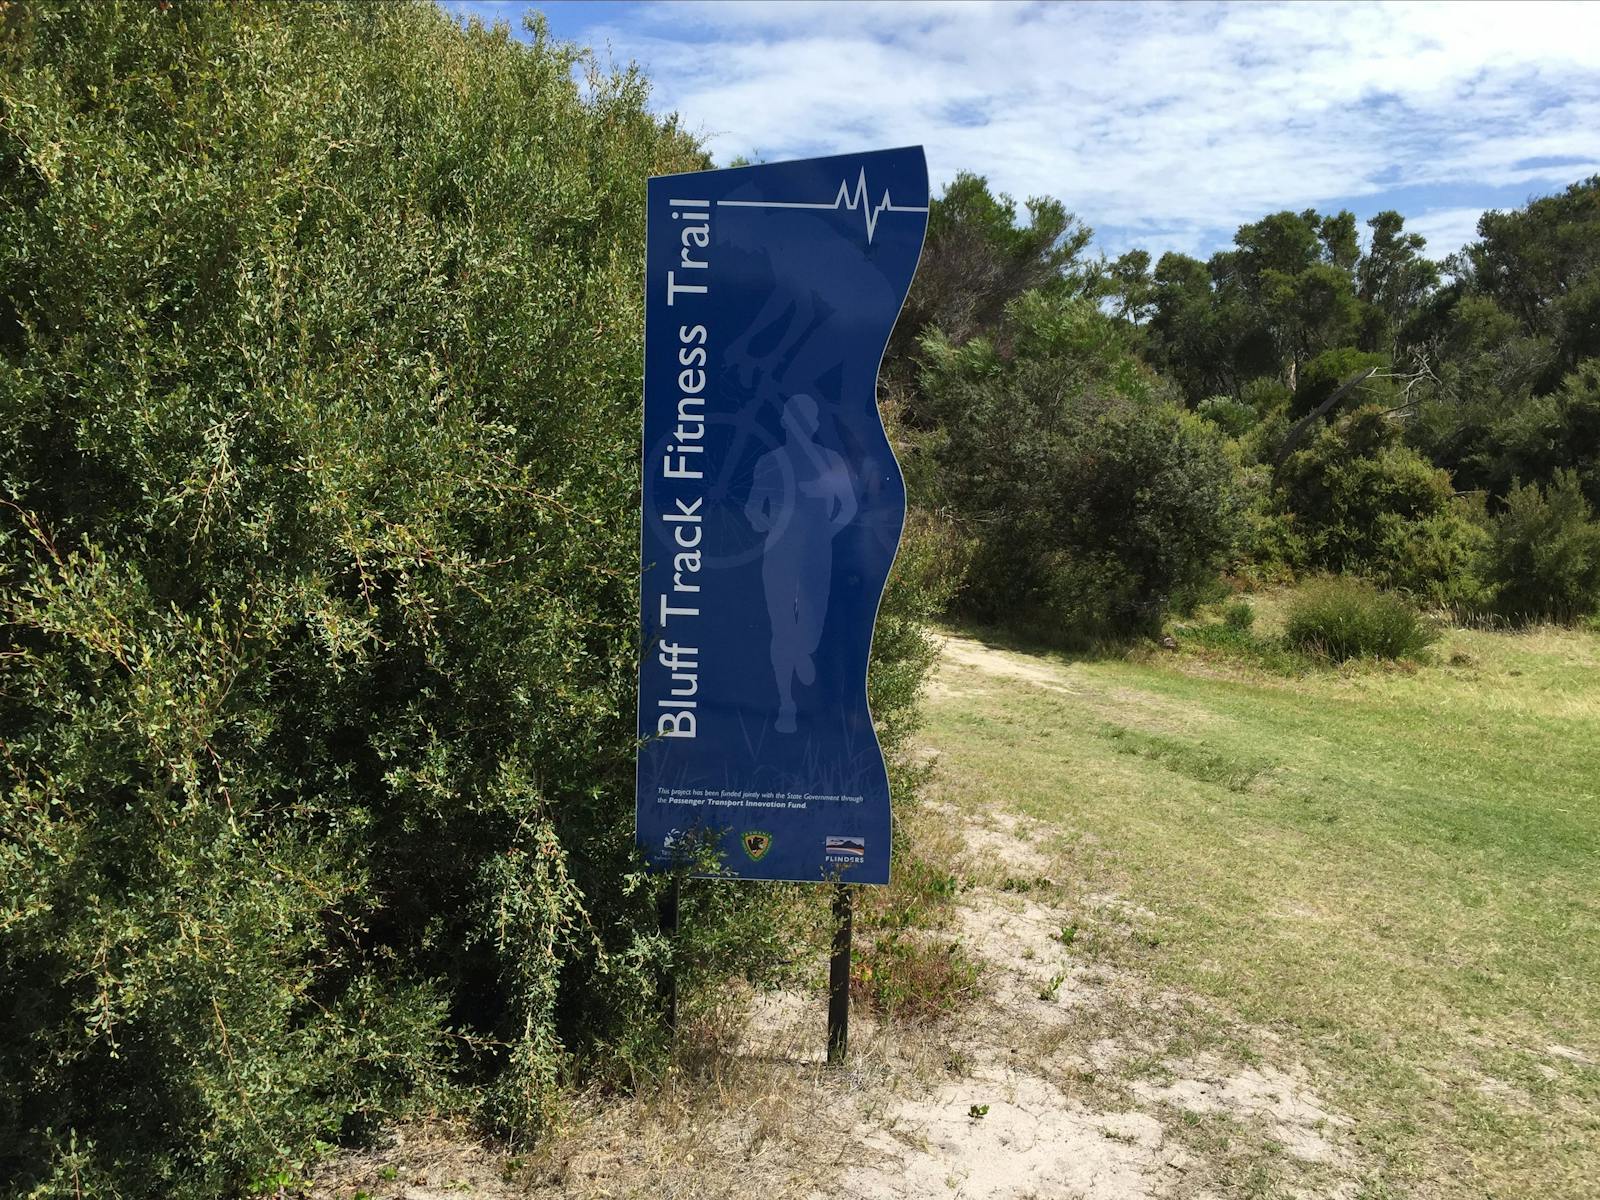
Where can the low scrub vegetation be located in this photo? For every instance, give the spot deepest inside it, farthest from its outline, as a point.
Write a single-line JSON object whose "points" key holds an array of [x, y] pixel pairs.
{"points": [[319, 375], [1341, 619], [1544, 560]]}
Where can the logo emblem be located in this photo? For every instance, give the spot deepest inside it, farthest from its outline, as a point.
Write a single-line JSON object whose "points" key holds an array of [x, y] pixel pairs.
{"points": [[835, 848], [756, 844]]}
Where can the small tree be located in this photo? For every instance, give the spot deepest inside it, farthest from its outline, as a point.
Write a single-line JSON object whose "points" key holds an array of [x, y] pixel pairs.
{"points": [[1360, 502], [978, 258], [1095, 503], [1544, 559]]}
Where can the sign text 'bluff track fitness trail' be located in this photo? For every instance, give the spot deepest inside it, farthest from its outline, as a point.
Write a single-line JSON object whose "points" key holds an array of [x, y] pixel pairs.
{"points": [[772, 508]]}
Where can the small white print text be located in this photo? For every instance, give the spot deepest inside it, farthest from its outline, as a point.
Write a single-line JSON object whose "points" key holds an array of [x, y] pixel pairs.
{"points": [[728, 798]]}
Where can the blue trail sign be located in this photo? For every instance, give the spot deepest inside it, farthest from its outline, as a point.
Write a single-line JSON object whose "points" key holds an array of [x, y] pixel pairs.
{"points": [[772, 509]]}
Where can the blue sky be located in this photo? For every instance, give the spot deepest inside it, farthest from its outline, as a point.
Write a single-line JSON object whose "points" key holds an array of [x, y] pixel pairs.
{"points": [[1161, 126]]}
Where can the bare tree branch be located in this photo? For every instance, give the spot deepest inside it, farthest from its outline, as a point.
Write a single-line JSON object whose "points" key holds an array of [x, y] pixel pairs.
{"points": [[1292, 438]]}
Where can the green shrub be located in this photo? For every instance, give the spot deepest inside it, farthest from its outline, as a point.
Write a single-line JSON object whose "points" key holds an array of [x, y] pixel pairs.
{"points": [[1269, 549], [1239, 614], [1266, 395], [1341, 619], [1259, 441], [1320, 377], [1541, 435], [1544, 559], [1359, 502], [1233, 417], [1438, 560], [1094, 505], [319, 374]]}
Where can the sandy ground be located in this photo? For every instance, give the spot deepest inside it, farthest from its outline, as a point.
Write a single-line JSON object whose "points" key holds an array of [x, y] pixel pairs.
{"points": [[1071, 1077]]}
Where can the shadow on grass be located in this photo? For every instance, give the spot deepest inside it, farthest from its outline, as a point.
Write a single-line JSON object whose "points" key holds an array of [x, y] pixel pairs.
{"points": [[1213, 641], [1220, 642], [1065, 650]]}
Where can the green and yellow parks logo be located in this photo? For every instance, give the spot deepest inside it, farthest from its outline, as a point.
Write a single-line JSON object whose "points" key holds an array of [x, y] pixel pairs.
{"points": [[756, 844]]}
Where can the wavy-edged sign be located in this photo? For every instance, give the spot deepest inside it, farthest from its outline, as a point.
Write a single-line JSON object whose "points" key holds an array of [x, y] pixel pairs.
{"points": [[772, 510]]}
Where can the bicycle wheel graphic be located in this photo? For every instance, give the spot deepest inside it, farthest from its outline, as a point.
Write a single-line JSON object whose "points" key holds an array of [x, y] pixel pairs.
{"points": [[728, 539]]}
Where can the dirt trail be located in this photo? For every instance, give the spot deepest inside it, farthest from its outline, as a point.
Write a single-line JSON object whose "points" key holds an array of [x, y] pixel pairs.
{"points": [[1064, 1061], [1071, 1076], [965, 652], [974, 668]]}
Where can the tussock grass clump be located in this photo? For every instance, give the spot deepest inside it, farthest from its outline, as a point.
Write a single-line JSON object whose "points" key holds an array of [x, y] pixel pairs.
{"points": [[915, 977], [1341, 619]]}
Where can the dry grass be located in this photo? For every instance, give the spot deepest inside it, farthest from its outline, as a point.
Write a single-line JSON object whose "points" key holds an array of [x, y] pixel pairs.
{"points": [[747, 1106], [1065, 1071]]}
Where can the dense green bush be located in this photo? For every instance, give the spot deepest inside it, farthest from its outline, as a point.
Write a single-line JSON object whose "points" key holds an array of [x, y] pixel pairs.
{"points": [[1231, 416], [319, 374], [1094, 505], [1546, 434], [1357, 501], [1341, 619], [1323, 375], [1266, 395], [1544, 560]]}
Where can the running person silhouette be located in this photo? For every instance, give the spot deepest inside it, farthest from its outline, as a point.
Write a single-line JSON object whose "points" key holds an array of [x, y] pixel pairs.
{"points": [[802, 496]]}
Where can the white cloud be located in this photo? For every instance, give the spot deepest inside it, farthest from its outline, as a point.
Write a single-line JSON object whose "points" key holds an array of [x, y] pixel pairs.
{"points": [[1447, 229], [1165, 125]]}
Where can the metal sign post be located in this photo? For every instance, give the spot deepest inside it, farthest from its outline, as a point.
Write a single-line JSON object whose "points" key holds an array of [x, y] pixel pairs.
{"points": [[667, 915], [839, 977]]}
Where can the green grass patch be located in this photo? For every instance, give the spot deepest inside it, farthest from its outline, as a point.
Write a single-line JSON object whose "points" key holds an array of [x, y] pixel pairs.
{"points": [[1197, 760], [1392, 869], [1232, 642]]}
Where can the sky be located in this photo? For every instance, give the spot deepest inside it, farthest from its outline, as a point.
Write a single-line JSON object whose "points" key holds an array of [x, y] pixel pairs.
{"points": [[1161, 126]]}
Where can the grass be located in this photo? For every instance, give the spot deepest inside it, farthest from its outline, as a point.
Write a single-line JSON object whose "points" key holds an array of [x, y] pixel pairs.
{"points": [[905, 965], [1393, 868], [1342, 618]]}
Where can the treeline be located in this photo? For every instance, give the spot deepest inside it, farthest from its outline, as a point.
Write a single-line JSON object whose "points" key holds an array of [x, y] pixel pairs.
{"points": [[1101, 438]]}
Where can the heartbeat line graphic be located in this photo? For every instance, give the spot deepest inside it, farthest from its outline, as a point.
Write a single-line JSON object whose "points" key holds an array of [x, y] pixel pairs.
{"points": [[851, 201]]}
